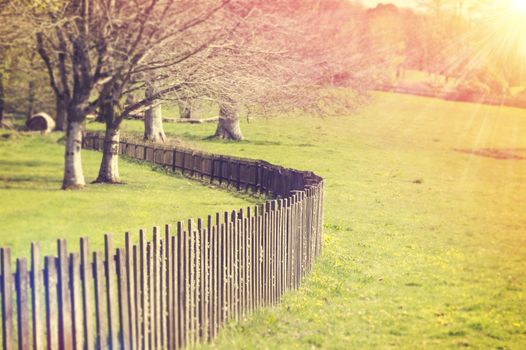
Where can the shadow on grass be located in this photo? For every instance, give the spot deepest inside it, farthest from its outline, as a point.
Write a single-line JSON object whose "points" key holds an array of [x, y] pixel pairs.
{"points": [[213, 139], [21, 182], [20, 164], [495, 153]]}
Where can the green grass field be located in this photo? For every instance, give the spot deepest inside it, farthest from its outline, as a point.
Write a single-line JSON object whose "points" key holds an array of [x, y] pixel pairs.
{"points": [[33, 208], [425, 242]]}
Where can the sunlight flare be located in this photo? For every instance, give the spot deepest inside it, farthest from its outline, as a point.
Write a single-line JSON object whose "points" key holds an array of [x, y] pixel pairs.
{"points": [[519, 6]]}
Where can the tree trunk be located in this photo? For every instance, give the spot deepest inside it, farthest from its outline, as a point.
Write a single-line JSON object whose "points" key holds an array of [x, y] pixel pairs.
{"points": [[30, 99], [60, 118], [73, 174], [153, 121], [185, 109], [109, 167], [2, 98], [228, 126]]}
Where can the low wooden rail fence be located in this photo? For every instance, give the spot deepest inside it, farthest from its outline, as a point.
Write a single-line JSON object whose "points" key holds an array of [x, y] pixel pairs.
{"points": [[180, 287]]}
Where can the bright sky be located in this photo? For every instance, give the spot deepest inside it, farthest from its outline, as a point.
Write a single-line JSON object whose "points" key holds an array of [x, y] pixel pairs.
{"points": [[400, 3]]}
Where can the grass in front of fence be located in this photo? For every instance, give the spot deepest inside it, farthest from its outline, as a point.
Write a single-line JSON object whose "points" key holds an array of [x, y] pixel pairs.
{"points": [[425, 242], [33, 208]]}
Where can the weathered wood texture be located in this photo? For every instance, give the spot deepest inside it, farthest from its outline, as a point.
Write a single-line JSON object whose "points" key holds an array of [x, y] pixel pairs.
{"points": [[172, 289]]}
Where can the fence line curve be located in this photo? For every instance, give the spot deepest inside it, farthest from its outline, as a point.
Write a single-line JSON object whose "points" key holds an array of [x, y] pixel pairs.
{"points": [[180, 287]]}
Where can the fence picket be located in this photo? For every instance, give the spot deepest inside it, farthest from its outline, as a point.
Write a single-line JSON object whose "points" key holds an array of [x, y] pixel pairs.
{"points": [[36, 292], [50, 281], [87, 296], [143, 291], [22, 286], [100, 301], [123, 292], [111, 300], [76, 309], [130, 289], [65, 329], [156, 295], [169, 309]]}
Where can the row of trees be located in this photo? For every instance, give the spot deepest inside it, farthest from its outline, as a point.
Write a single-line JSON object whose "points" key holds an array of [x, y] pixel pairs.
{"points": [[473, 41], [115, 58]]}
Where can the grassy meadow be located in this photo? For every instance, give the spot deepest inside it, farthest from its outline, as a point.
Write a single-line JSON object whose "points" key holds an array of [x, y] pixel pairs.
{"points": [[34, 208], [425, 220]]}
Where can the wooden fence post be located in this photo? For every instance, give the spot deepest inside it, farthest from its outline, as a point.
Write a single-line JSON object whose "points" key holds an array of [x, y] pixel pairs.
{"points": [[110, 291], [87, 296], [65, 327], [22, 302], [76, 305], [37, 286], [100, 300]]}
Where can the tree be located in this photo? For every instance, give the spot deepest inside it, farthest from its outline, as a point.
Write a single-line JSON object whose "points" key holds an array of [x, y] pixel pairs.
{"points": [[16, 55], [153, 120], [282, 56], [96, 52]]}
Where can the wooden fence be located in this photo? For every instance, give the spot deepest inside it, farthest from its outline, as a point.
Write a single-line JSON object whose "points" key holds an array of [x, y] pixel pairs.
{"points": [[181, 286]]}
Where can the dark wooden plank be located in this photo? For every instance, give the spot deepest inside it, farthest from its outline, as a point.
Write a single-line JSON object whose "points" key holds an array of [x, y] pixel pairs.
{"points": [[238, 176], [100, 301], [309, 228], [187, 287], [87, 294], [65, 324], [271, 256], [181, 270], [236, 276], [223, 268], [228, 265], [298, 244], [123, 301], [214, 309], [156, 295], [191, 280], [163, 290], [130, 289], [144, 316], [169, 309], [209, 279], [137, 298], [303, 239], [50, 281], [199, 280], [245, 244], [271, 263], [288, 248], [275, 248], [175, 292], [258, 261], [265, 256], [76, 300], [150, 312], [37, 286], [283, 245], [231, 270], [290, 243], [22, 303], [252, 267], [205, 286], [111, 299]]}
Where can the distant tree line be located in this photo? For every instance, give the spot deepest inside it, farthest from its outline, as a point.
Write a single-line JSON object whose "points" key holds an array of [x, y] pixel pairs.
{"points": [[117, 58]]}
